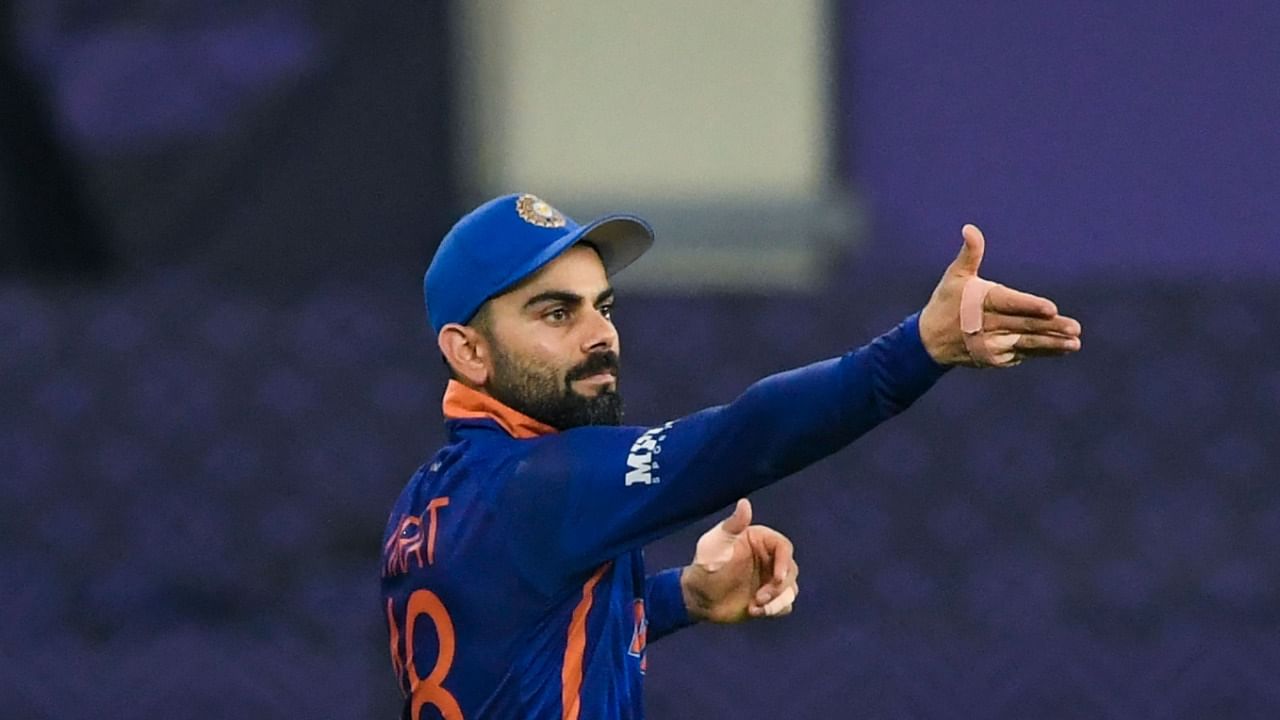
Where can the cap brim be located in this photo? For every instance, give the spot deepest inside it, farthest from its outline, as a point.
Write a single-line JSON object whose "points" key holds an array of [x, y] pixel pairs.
{"points": [[620, 240]]}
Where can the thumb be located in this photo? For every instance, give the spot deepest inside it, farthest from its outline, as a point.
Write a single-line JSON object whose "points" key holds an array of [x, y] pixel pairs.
{"points": [[970, 257], [715, 547], [738, 522]]}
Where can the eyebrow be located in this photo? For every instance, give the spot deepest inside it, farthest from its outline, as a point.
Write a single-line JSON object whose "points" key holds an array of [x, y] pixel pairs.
{"points": [[566, 297]]}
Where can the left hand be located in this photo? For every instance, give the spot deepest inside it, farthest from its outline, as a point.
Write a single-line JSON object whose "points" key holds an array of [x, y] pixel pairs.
{"points": [[1009, 326], [741, 571]]}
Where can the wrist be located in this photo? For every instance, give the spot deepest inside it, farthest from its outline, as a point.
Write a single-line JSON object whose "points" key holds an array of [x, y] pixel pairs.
{"points": [[930, 338], [936, 336], [692, 598]]}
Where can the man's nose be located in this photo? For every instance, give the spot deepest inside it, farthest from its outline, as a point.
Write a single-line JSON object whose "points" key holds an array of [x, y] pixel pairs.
{"points": [[600, 334]]}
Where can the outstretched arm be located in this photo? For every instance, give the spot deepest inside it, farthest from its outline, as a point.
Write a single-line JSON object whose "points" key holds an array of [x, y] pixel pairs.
{"points": [[613, 489]]}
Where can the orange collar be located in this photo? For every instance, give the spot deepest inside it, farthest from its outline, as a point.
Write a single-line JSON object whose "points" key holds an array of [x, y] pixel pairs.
{"points": [[461, 401]]}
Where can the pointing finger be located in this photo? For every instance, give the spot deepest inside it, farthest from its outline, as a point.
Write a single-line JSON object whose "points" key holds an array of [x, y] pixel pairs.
{"points": [[1006, 300], [783, 559]]}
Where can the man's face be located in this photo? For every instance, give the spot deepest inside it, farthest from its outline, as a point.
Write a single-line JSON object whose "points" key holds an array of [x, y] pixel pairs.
{"points": [[554, 350]]}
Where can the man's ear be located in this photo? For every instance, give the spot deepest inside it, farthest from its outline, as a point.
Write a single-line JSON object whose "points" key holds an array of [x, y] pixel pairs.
{"points": [[467, 352]]}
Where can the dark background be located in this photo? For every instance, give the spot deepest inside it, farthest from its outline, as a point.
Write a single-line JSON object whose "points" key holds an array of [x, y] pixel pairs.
{"points": [[215, 371]]}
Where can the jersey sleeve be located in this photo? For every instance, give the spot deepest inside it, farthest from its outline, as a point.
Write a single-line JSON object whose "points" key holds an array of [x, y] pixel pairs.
{"points": [[664, 602], [583, 496]]}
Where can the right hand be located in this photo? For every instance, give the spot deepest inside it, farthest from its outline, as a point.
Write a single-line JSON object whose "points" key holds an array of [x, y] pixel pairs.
{"points": [[741, 571]]}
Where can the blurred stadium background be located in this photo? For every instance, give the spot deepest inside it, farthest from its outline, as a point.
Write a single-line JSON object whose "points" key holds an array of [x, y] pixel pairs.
{"points": [[215, 373]]}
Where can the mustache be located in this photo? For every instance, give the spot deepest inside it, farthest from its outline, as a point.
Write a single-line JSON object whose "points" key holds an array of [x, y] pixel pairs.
{"points": [[600, 362]]}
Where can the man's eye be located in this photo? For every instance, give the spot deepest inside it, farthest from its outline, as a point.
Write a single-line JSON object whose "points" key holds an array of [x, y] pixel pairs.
{"points": [[607, 311], [558, 315]]}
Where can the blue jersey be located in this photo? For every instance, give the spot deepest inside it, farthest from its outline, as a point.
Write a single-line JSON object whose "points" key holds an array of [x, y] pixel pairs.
{"points": [[513, 582]]}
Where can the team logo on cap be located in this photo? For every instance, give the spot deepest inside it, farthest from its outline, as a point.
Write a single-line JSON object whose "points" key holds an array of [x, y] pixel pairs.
{"points": [[536, 211]]}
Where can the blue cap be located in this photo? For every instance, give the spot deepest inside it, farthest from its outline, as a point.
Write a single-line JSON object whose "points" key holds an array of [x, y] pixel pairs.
{"points": [[507, 239]]}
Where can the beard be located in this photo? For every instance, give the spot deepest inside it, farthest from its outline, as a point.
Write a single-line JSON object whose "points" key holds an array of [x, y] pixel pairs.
{"points": [[540, 392]]}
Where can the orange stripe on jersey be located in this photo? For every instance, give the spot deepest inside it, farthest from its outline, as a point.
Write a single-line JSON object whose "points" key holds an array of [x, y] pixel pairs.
{"points": [[461, 401], [396, 663], [571, 674]]}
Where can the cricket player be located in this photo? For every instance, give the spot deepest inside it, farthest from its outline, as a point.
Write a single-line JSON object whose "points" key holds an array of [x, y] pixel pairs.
{"points": [[513, 578]]}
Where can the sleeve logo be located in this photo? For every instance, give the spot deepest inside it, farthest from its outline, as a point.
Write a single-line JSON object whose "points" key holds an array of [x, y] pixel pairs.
{"points": [[642, 459]]}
